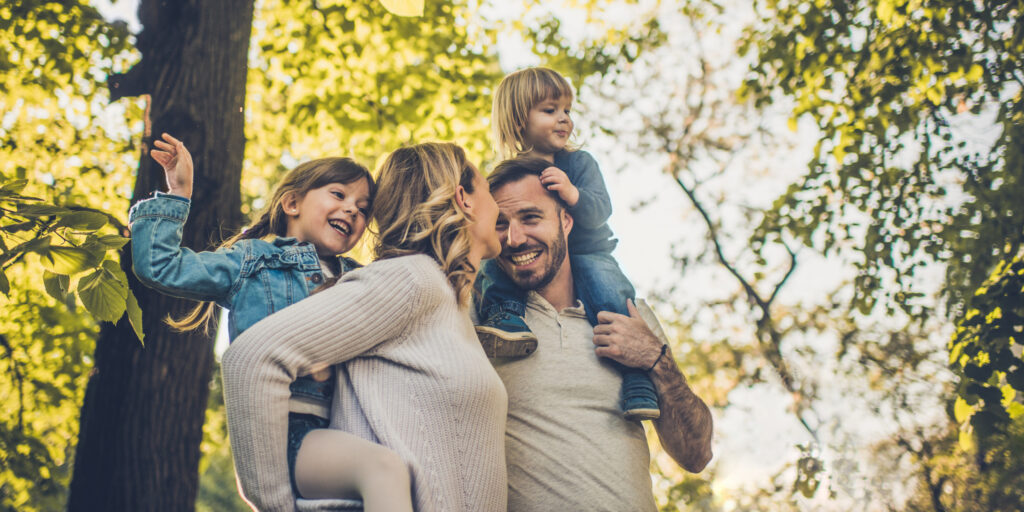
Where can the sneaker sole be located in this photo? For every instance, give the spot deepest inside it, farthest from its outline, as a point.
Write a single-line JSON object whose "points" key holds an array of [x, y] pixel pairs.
{"points": [[498, 343], [642, 414]]}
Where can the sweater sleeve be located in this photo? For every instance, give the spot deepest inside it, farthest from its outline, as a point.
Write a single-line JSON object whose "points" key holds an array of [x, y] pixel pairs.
{"points": [[367, 307], [594, 206], [160, 262]]}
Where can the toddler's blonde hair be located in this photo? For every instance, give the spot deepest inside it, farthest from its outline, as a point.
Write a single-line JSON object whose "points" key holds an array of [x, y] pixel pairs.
{"points": [[517, 93]]}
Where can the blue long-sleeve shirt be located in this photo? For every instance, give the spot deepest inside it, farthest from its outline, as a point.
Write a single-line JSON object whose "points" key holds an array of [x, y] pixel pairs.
{"points": [[590, 231]]}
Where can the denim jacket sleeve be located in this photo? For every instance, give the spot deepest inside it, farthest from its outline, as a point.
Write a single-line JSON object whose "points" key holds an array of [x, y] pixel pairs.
{"points": [[160, 261], [594, 206]]}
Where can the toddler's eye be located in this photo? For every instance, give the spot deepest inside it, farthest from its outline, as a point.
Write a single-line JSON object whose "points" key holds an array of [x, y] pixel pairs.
{"points": [[339, 195], [365, 212]]}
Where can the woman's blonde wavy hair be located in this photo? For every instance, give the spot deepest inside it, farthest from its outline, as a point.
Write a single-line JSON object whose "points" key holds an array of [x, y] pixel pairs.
{"points": [[272, 221], [416, 212], [517, 93]]}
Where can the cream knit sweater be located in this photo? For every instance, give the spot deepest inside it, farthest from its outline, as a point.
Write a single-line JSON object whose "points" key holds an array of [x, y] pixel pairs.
{"points": [[415, 380]]}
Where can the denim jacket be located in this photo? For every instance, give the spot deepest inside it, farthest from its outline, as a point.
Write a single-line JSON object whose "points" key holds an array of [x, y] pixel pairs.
{"points": [[251, 279]]}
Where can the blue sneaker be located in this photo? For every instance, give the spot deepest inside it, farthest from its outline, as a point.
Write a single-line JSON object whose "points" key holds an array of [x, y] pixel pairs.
{"points": [[506, 335], [639, 399]]}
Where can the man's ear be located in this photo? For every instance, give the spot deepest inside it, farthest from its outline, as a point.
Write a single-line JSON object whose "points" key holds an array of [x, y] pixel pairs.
{"points": [[566, 222], [290, 204]]}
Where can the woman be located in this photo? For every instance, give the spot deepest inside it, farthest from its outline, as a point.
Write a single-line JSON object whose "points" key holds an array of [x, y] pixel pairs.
{"points": [[415, 378]]}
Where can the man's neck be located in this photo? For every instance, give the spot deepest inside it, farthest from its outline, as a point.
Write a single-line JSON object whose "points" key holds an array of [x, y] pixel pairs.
{"points": [[560, 292]]}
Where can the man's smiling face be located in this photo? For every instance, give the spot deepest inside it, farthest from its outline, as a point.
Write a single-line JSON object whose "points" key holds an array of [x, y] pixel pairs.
{"points": [[533, 229]]}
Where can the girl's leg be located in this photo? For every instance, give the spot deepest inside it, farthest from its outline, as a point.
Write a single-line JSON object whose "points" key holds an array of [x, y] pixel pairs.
{"points": [[336, 464]]}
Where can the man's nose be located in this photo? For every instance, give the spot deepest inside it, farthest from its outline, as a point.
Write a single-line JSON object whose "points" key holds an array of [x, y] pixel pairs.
{"points": [[515, 236]]}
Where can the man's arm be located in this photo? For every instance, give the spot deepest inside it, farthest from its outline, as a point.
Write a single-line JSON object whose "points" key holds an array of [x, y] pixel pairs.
{"points": [[684, 427]]}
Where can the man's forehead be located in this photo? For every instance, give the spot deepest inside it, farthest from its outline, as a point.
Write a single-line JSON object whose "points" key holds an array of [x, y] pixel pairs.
{"points": [[523, 194]]}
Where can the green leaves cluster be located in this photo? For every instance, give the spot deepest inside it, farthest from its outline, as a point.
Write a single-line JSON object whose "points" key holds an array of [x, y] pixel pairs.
{"points": [[68, 243], [985, 352], [897, 89], [64, 166], [888, 83], [352, 79]]}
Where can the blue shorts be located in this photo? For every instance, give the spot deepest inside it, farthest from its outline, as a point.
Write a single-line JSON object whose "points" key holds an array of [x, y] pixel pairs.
{"points": [[298, 426]]}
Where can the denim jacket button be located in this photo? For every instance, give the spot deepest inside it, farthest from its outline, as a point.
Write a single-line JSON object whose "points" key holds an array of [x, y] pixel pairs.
{"points": [[316, 278]]}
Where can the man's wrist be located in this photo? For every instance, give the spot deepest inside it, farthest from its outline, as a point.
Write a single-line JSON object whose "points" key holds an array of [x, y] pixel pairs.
{"points": [[661, 356]]}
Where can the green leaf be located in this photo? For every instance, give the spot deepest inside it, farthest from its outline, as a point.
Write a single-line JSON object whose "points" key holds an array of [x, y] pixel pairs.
{"points": [[18, 226], [5, 285], [966, 441], [104, 294], [83, 220], [56, 285], [109, 241], [404, 7], [135, 316], [962, 410], [13, 187], [68, 260], [40, 210]]}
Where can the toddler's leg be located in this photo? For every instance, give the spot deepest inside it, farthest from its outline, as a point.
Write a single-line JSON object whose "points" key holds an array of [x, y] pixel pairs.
{"points": [[501, 308], [602, 286], [336, 464]]}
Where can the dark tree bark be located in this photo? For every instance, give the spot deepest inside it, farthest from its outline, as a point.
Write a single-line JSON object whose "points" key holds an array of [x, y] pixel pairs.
{"points": [[142, 419]]}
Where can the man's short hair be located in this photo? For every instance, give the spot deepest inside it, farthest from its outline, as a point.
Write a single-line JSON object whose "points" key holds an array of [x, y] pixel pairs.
{"points": [[516, 169]]}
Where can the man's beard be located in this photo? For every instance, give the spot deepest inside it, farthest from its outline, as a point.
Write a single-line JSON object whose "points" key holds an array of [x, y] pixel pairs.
{"points": [[556, 252]]}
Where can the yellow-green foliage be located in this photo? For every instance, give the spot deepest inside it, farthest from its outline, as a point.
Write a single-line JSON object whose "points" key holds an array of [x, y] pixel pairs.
{"points": [[59, 167]]}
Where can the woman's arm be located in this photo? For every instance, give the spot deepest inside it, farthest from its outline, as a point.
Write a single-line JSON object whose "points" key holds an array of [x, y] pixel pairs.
{"points": [[367, 307]]}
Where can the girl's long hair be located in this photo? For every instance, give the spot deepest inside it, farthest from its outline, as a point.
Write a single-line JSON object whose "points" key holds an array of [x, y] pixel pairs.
{"points": [[517, 93], [272, 221], [416, 211]]}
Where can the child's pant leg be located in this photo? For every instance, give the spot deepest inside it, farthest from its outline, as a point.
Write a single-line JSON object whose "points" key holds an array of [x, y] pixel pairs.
{"points": [[498, 292], [602, 286]]}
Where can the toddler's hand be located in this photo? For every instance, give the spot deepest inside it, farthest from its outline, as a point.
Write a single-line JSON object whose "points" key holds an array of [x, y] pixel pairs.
{"points": [[558, 182], [177, 164]]}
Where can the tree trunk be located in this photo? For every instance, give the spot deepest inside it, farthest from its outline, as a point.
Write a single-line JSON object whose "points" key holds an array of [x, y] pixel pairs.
{"points": [[142, 420]]}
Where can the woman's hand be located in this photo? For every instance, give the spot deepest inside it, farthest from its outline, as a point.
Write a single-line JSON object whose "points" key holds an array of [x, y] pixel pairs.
{"points": [[177, 163]]}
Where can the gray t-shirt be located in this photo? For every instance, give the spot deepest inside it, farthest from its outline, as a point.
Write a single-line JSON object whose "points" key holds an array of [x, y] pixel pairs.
{"points": [[567, 445]]}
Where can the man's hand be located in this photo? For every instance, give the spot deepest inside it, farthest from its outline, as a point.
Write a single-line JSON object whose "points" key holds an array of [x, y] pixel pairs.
{"points": [[177, 163], [626, 339], [555, 180]]}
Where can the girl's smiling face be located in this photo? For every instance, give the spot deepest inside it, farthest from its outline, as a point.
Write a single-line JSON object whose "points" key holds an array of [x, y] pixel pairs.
{"points": [[332, 217], [549, 126]]}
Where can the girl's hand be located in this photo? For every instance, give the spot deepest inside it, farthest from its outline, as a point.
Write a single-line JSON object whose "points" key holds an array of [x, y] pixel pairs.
{"points": [[177, 164], [558, 182]]}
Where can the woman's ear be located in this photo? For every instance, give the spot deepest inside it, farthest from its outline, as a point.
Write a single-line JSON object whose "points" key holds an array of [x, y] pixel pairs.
{"points": [[290, 204], [463, 200]]}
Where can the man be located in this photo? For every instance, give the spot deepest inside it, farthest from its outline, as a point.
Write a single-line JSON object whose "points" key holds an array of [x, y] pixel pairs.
{"points": [[568, 446]]}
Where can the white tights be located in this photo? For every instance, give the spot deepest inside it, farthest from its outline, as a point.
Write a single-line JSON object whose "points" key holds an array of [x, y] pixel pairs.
{"points": [[336, 464]]}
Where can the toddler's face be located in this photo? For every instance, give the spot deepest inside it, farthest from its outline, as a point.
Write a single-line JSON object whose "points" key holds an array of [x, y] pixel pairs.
{"points": [[549, 126]]}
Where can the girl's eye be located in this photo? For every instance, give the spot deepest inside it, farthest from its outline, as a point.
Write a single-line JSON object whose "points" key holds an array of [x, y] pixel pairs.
{"points": [[365, 212], [549, 111], [339, 195]]}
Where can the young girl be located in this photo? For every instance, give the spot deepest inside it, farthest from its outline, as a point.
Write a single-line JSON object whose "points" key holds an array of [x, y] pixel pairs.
{"points": [[531, 118], [318, 212]]}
